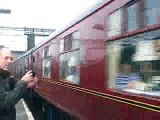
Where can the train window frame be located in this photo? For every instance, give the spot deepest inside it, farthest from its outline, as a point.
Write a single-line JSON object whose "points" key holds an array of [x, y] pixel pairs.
{"points": [[149, 80], [116, 51], [70, 50], [67, 63]]}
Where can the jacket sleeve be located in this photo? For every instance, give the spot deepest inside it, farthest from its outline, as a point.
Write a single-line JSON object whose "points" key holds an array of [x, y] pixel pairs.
{"points": [[12, 82], [8, 99]]}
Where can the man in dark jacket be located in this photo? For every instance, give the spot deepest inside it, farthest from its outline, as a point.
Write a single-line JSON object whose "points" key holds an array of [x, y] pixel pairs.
{"points": [[11, 90]]}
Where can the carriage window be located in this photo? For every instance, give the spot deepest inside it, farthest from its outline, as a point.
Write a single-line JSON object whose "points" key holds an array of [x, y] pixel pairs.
{"points": [[70, 42], [47, 68], [76, 40], [70, 67], [67, 43], [134, 64], [132, 17], [70, 58], [114, 23], [47, 52], [46, 73], [152, 11]]}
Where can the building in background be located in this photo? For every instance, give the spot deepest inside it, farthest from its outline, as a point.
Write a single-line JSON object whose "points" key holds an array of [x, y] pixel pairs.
{"points": [[14, 52], [17, 53]]}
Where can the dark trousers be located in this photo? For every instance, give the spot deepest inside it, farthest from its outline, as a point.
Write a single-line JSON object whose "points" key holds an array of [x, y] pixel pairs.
{"points": [[8, 114]]}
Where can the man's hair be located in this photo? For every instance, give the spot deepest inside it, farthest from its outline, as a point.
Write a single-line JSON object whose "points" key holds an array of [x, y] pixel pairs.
{"points": [[3, 47]]}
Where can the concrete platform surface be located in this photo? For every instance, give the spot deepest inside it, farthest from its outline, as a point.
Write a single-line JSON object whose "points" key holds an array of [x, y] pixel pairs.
{"points": [[22, 111]]}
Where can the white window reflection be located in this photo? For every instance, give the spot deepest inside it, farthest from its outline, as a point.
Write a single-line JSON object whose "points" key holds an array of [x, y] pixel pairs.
{"points": [[61, 45], [114, 23], [76, 40]]}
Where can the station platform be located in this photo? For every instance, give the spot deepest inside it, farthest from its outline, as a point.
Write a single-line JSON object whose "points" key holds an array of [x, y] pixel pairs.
{"points": [[22, 111]]}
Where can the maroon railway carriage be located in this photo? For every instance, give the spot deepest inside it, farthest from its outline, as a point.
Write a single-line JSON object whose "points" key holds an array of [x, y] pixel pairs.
{"points": [[104, 66]]}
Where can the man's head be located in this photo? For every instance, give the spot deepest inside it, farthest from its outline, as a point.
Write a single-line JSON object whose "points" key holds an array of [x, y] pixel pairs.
{"points": [[5, 58]]}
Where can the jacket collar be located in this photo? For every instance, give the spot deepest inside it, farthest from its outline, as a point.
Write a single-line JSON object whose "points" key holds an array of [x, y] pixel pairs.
{"points": [[4, 73]]}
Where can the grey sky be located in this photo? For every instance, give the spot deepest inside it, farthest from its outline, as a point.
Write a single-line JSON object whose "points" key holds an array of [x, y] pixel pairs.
{"points": [[52, 14]]}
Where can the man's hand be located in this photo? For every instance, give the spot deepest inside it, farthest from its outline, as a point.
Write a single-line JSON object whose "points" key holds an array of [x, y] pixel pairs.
{"points": [[27, 77], [31, 81]]}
